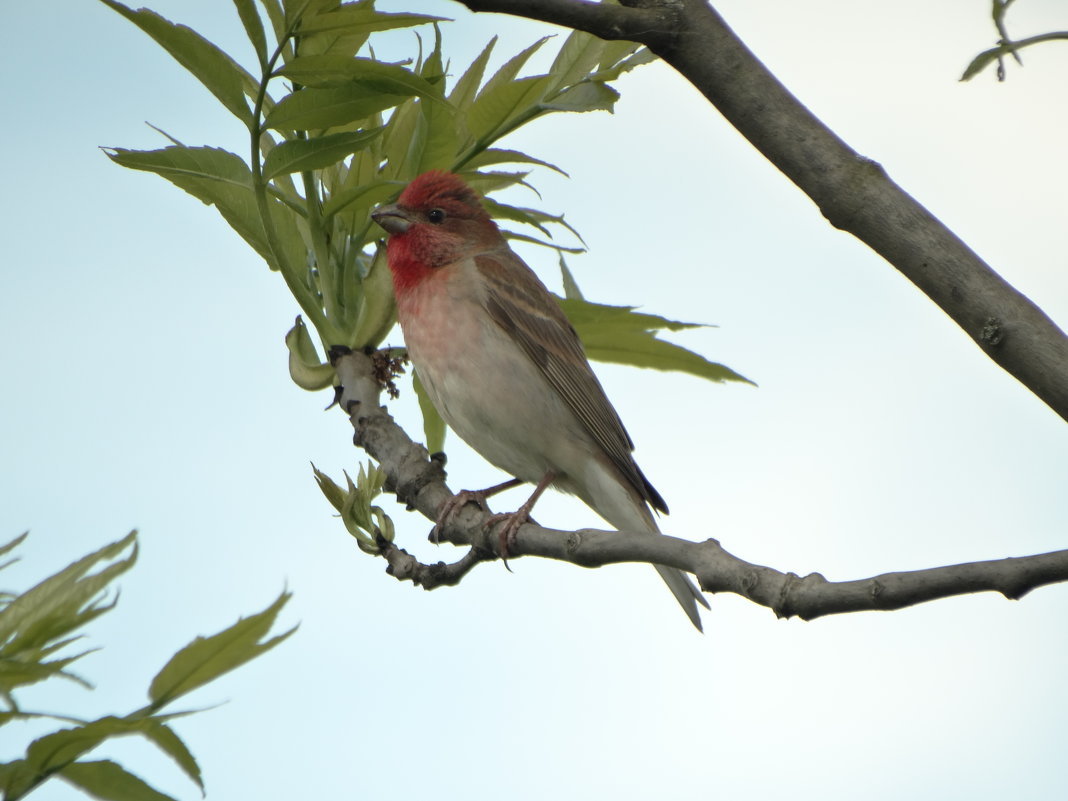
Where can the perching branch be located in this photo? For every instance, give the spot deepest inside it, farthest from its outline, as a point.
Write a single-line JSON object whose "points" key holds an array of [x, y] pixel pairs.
{"points": [[853, 193], [418, 480]]}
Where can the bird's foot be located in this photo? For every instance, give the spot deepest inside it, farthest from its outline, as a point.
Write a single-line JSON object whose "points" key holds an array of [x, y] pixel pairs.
{"points": [[510, 525], [453, 505]]}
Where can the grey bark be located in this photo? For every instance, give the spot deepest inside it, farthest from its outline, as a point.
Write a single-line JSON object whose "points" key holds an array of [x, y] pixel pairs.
{"points": [[418, 480], [854, 193]]}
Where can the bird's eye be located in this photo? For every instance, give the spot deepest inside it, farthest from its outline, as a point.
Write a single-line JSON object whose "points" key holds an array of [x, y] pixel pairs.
{"points": [[436, 216]]}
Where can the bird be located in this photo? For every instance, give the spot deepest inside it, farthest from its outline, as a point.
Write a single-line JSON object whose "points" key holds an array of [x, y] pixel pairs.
{"points": [[504, 367]]}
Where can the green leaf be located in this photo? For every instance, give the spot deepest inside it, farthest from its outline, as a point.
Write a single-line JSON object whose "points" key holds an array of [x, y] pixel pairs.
{"points": [[299, 155], [494, 155], [63, 602], [16, 673], [375, 192], [360, 18], [305, 368], [56, 750], [619, 335], [172, 745], [219, 73], [207, 658], [277, 16], [15, 543], [587, 96], [250, 18], [433, 424], [111, 782], [376, 309], [982, 61], [334, 494], [318, 109], [571, 287], [535, 241], [463, 94], [496, 111], [405, 136], [506, 74], [611, 67], [578, 55], [213, 176], [331, 70]]}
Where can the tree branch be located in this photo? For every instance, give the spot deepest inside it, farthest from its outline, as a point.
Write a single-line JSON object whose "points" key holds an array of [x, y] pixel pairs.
{"points": [[419, 482], [853, 193]]}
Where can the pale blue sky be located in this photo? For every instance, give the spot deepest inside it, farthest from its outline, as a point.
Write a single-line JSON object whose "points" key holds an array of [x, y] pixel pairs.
{"points": [[146, 387]]}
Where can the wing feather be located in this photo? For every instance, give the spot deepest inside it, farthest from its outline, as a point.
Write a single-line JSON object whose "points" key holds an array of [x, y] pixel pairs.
{"points": [[520, 304]]}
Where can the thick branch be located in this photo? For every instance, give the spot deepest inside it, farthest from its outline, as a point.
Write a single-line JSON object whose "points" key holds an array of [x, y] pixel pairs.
{"points": [[418, 481], [852, 192]]}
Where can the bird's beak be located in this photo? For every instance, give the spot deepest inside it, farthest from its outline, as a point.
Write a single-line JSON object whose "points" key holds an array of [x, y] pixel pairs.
{"points": [[393, 218]]}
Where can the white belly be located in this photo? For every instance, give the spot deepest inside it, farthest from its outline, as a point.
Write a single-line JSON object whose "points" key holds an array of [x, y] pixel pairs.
{"points": [[487, 389]]}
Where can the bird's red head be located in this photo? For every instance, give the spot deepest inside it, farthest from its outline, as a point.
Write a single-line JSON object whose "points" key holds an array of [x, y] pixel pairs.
{"points": [[438, 220]]}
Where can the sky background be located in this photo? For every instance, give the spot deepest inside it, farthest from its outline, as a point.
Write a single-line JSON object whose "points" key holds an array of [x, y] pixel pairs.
{"points": [[146, 386]]}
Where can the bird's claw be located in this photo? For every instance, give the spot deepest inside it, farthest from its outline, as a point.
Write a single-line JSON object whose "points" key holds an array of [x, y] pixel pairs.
{"points": [[453, 505], [512, 522]]}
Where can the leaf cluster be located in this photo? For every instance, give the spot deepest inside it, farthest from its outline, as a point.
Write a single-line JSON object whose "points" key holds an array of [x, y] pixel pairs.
{"points": [[38, 624], [334, 132]]}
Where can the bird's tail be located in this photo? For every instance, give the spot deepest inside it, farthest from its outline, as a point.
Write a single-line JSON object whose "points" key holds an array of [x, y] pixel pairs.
{"points": [[630, 513]]}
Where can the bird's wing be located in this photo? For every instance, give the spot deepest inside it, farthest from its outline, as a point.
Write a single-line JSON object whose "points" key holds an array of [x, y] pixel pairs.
{"points": [[521, 305]]}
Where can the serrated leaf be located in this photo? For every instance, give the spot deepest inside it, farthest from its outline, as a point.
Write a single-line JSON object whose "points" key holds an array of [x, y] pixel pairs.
{"points": [[109, 781], [506, 74], [20, 673], [442, 140], [463, 93], [319, 109], [375, 192], [207, 658], [171, 744], [277, 16], [494, 155], [361, 18], [619, 335], [334, 494], [433, 424], [219, 73], [299, 155], [377, 75], [64, 601], [587, 96], [58, 749], [610, 68], [533, 240], [571, 287], [15, 543], [578, 55], [376, 308], [213, 176], [495, 111]]}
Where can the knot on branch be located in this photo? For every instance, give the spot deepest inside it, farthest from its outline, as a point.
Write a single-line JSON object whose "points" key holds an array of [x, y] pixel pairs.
{"points": [[993, 333], [405, 567], [417, 471]]}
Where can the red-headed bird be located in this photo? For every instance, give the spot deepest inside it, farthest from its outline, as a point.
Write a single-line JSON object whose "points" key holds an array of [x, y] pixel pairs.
{"points": [[503, 366]]}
